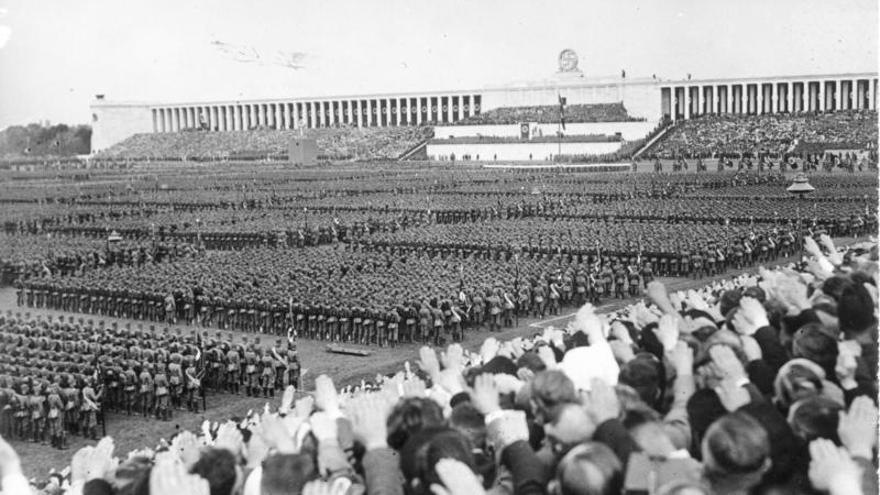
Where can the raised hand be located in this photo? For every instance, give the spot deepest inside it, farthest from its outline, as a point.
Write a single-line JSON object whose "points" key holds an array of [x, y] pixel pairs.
{"points": [[727, 363], [275, 433], [368, 417], [457, 478], [485, 394], [324, 426], [9, 460], [287, 399], [428, 361], [682, 358], [506, 429], [667, 331], [732, 395], [602, 401], [658, 295], [188, 447], [326, 396], [547, 357], [169, 476], [750, 316], [857, 428], [832, 467], [489, 349], [229, 438], [453, 357], [303, 406]]}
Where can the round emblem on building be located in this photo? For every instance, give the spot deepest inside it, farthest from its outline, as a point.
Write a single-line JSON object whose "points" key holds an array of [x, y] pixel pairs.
{"points": [[568, 60]]}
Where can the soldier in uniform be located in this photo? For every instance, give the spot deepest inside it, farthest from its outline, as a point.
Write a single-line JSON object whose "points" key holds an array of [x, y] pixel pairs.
{"points": [[163, 409], [129, 387], [193, 385], [233, 371], [55, 417], [175, 378], [36, 405], [90, 407], [252, 381], [267, 375], [145, 389]]}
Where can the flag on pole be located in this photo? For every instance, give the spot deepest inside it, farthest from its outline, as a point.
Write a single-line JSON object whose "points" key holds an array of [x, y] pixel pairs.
{"points": [[562, 101]]}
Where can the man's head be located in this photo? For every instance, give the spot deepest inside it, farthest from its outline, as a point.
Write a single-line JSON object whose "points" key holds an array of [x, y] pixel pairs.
{"points": [[422, 451], [813, 342], [219, 468], [286, 474], [646, 375], [736, 451], [815, 417], [589, 468], [549, 390], [409, 416], [856, 312], [570, 424]]}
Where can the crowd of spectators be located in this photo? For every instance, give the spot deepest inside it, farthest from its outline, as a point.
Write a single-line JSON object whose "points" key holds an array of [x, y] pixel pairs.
{"points": [[775, 134], [763, 383], [345, 143], [550, 114]]}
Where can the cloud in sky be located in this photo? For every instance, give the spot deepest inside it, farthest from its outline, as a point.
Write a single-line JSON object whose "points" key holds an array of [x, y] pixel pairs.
{"points": [[63, 52]]}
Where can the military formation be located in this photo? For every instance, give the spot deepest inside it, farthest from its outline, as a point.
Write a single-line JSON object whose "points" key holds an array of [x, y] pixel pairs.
{"points": [[59, 377]]}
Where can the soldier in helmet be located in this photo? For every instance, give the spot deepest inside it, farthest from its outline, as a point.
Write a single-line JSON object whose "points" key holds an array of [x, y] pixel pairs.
{"points": [[175, 378], [252, 381], [193, 384], [163, 411], [55, 418], [90, 407], [233, 371], [267, 375], [145, 389]]}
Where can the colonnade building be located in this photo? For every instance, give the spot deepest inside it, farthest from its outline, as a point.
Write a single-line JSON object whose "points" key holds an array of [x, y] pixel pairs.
{"points": [[645, 98]]}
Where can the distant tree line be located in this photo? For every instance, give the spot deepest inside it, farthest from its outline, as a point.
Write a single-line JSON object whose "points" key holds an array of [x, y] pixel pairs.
{"points": [[45, 140]]}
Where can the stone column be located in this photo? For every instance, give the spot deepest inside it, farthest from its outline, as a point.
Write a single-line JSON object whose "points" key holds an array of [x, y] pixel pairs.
{"points": [[701, 101], [419, 111], [451, 113], [822, 101], [789, 87], [837, 103], [759, 107], [872, 94], [688, 101]]}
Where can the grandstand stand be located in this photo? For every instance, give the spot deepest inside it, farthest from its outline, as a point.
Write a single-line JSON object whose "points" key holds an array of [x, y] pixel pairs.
{"points": [[549, 114], [775, 134], [385, 143]]}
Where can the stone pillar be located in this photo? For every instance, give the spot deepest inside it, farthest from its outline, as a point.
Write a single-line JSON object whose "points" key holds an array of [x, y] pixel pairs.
{"points": [[701, 100], [872, 94], [837, 103], [688, 102], [451, 114], [789, 87], [759, 107], [822, 100], [419, 111]]}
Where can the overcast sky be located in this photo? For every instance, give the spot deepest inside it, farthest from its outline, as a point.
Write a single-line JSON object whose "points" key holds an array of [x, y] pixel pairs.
{"points": [[56, 54]]}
